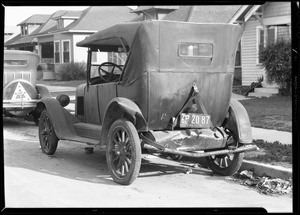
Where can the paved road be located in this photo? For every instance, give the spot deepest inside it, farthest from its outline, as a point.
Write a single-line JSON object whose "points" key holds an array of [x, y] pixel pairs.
{"points": [[71, 178]]}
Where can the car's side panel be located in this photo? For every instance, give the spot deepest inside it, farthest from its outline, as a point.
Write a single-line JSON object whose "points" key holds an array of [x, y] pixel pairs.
{"points": [[91, 108], [137, 92], [106, 92]]}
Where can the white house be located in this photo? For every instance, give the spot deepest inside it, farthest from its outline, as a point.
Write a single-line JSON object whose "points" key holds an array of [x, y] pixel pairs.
{"points": [[263, 24]]}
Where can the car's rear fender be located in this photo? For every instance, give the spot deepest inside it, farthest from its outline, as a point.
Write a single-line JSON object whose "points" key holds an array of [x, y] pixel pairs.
{"points": [[122, 108], [42, 91], [61, 119], [238, 122]]}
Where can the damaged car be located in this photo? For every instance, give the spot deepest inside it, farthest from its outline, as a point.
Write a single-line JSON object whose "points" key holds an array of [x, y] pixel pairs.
{"points": [[163, 86]]}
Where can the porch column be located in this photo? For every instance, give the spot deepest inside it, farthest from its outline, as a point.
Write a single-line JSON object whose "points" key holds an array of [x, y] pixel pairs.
{"points": [[266, 35]]}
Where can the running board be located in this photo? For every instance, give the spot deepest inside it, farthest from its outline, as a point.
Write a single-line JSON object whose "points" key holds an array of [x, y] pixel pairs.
{"points": [[88, 130], [79, 139]]}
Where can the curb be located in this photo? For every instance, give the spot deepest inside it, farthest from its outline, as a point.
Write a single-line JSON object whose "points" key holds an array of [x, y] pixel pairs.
{"points": [[261, 169]]}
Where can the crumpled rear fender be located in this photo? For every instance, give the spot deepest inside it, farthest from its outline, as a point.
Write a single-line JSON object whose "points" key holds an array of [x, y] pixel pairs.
{"points": [[122, 108], [62, 120], [238, 122]]}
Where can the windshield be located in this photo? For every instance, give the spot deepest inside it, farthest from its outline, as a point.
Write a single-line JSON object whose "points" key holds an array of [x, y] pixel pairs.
{"points": [[97, 58]]}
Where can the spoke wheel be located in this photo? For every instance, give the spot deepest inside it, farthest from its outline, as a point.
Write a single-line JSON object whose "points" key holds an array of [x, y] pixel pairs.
{"points": [[123, 152], [47, 136], [226, 164]]}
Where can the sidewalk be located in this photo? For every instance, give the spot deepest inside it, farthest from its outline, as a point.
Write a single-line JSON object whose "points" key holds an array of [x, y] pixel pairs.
{"points": [[270, 135]]}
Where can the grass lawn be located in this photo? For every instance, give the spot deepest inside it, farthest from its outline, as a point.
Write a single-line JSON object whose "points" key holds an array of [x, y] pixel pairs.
{"points": [[271, 153], [270, 113]]}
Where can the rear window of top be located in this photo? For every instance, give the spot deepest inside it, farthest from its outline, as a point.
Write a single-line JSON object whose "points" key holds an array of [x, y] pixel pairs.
{"points": [[188, 49]]}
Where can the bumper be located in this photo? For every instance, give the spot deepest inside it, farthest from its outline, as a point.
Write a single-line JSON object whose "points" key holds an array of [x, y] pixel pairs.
{"points": [[13, 104], [191, 141]]}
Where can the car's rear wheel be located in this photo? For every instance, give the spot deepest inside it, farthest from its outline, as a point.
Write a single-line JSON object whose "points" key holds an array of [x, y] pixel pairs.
{"points": [[226, 164], [123, 152], [47, 136]]}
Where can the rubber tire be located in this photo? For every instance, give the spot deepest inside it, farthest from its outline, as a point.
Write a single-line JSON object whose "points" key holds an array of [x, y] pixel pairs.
{"points": [[53, 139], [235, 164], [231, 169], [136, 152]]}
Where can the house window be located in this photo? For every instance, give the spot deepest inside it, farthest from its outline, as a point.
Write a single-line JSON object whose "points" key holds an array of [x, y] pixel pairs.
{"points": [[261, 39], [24, 30], [66, 51], [56, 52]]}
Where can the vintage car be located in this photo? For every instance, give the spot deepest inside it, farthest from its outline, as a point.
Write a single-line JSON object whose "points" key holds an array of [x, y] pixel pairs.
{"points": [[20, 91], [172, 95]]}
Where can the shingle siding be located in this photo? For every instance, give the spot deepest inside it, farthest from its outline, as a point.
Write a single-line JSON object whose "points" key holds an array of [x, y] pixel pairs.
{"points": [[283, 32], [250, 70], [272, 9]]}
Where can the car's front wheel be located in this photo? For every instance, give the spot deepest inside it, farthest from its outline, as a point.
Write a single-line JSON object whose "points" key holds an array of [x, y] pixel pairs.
{"points": [[226, 164], [47, 136], [123, 152]]}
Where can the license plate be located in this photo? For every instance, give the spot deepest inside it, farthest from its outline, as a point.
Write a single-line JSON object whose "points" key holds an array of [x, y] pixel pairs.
{"points": [[194, 120]]}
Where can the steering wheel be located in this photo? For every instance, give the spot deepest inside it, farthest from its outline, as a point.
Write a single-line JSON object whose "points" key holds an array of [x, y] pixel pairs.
{"points": [[109, 75]]}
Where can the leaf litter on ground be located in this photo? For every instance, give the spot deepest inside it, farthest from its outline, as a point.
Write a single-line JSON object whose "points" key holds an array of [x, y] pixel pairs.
{"points": [[264, 185]]}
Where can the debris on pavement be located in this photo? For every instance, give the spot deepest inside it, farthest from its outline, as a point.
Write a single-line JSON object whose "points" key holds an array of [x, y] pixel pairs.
{"points": [[188, 170], [264, 185]]}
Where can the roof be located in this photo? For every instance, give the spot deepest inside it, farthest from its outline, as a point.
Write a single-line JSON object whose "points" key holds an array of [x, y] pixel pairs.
{"points": [[145, 8], [51, 23], [69, 14], [105, 16], [19, 40], [35, 19], [244, 13], [203, 14]]}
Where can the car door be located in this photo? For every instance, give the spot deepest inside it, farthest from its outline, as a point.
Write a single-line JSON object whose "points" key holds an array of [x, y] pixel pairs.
{"points": [[91, 107], [106, 92]]}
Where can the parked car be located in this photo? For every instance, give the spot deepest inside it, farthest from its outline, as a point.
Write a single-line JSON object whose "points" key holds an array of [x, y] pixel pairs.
{"points": [[172, 95], [20, 91]]}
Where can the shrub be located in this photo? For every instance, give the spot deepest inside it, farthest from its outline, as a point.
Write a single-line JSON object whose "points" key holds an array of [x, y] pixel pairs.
{"points": [[72, 71], [276, 59]]}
